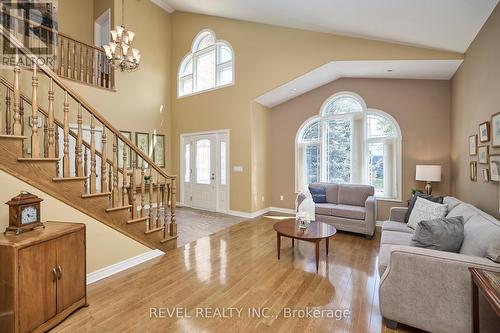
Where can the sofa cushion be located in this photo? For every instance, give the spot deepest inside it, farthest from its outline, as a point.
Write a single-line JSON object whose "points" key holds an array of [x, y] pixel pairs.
{"points": [[414, 200], [396, 238], [384, 256], [349, 211], [426, 210], [318, 193], [324, 208], [443, 234], [465, 210], [332, 193], [355, 195], [451, 202], [396, 226], [493, 253], [480, 232]]}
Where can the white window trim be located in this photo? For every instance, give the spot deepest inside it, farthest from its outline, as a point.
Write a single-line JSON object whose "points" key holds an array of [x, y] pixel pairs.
{"points": [[299, 144], [194, 53]]}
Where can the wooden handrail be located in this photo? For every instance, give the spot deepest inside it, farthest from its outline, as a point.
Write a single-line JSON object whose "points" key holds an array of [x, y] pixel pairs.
{"points": [[100, 49], [25, 98], [44, 68]]}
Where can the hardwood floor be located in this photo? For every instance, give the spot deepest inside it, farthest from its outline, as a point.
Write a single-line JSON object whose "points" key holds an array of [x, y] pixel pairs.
{"points": [[238, 268]]}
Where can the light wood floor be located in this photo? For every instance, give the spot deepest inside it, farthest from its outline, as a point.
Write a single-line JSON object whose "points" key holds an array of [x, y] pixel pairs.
{"points": [[238, 268]]}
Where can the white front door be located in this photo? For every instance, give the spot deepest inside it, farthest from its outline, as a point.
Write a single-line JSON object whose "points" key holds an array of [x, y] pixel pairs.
{"points": [[203, 190]]}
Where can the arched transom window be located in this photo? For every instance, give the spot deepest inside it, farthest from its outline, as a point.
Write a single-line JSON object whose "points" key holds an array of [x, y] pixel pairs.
{"points": [[348, 143], [209, 65]]}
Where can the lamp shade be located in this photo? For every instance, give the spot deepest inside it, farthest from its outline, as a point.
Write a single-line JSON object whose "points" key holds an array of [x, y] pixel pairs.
{"points": [[428, 173]]}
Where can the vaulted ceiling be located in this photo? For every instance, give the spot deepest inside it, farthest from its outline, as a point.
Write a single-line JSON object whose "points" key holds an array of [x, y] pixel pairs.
{"points": [[441, 24]]}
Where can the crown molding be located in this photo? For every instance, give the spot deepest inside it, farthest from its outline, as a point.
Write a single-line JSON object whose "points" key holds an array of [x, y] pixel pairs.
{"points": [[164, 5]]}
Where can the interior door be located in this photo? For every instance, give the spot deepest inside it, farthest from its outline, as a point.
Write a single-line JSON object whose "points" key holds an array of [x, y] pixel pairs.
{"points": [[70, 254], [37, 285], [204, 182]]}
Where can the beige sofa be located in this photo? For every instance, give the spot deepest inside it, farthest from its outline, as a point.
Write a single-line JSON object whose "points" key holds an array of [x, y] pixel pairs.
{"points": [[349, 208], [430, 289]]}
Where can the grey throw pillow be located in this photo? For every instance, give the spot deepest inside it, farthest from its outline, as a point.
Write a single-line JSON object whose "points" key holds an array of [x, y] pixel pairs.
{"points": [[444, 234], [417, 195]]}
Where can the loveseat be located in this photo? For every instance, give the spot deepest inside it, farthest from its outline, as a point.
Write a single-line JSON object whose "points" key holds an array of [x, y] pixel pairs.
{"points": [[348, 207], [431, 289]]}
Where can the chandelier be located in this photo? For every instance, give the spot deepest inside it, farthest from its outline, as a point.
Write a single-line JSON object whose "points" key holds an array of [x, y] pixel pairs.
{"points": [[119, 51]]}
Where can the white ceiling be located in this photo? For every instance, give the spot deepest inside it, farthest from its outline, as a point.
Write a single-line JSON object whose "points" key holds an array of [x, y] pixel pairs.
{"points": [[442, 24], [394, 69]]}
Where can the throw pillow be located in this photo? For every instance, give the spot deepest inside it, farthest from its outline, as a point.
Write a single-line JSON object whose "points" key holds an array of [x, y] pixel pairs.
{"points": [[414, 199], [318, 193], [444, 234], [493, 253], [426, 210]]}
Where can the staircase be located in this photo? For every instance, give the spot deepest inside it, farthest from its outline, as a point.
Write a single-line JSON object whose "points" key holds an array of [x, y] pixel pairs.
{"points": [[101, 175]]}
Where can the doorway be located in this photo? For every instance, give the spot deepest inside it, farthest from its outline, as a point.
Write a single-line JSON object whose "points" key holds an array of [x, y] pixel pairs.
{"points": [[102, 26], [205, 171]]}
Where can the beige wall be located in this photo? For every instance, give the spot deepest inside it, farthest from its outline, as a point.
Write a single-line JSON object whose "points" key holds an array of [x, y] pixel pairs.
{"points": [[265, 57], [475, 97], [105, 246], [260, 161], [421, 108], [76, 19]]}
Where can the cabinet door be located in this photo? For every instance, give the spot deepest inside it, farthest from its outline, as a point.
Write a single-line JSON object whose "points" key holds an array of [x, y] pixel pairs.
{"points": [[37, 285], [71, 260]]}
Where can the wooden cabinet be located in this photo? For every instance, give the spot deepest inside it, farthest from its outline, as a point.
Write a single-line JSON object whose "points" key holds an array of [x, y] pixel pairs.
{"points": [[42, 277]]}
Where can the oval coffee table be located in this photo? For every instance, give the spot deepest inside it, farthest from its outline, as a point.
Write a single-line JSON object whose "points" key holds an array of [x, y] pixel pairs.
{"points": [[315, 232]]}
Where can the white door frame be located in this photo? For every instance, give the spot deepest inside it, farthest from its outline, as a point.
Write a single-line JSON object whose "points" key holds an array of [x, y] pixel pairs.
{"points": [[105, 16], [228, 169]]}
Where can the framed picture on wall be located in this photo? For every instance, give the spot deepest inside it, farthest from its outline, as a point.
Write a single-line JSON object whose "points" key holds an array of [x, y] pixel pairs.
{"points": [[473, 145], [486, 175], [128, 135], [495, 130], [484, 132], [483, 154], [473, 171], [159, 149], [142, 142], [495, 168]]}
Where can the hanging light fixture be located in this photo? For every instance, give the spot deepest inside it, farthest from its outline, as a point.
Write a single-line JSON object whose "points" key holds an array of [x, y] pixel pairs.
{"points": [[119, 51]]}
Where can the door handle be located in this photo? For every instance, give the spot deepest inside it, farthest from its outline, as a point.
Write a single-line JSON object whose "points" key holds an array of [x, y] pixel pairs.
{"points": [[54, 274], [59, 272]]}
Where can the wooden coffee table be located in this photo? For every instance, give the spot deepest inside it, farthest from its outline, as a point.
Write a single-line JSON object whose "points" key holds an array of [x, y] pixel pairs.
{"points": [[315, 232]]}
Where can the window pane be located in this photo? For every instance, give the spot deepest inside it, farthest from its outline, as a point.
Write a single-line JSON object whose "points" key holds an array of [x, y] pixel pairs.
{"points": [[206, 41], [312, 164], [205, 71], [187, 68], [342, 105], [311, 133], [376, 167], [187, 163], [225, 75], [379, 126], [186, 85], [224, 54], [338, 151], [203, 161], [223, 163]]}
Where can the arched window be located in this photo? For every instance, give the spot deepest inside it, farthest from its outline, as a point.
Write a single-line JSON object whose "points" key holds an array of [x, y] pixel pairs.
{"points": [[209, 65], [349, 143]]}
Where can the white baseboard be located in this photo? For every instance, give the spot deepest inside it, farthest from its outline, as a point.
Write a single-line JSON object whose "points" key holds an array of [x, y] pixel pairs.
{"points": [[282, 210], [122, 265], [261, 212]]}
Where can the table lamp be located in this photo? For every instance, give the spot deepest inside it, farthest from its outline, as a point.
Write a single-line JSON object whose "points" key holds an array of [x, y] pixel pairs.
{"points": [[428, 173]]}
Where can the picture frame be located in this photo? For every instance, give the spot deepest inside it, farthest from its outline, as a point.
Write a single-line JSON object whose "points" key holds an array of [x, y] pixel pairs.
{"points": [[495, 167], [483, 154], [473, 171], [485, 175], [473, 145], [142, 142], [159, 149], [484, 132], [495, 130], [128, 135]]}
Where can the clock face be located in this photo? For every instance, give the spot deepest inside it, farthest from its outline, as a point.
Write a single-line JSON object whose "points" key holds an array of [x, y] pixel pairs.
{"points": [[29, 214]]}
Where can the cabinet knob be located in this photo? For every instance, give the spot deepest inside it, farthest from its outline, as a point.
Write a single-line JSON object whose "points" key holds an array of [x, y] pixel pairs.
{"points": [[54, 274], [59, 272]]}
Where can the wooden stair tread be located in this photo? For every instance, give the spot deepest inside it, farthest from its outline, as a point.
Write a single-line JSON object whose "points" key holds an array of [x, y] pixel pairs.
{"points": [[95, 195], [18, 137], [114, 209], [66, 179], [139, 219], [38, 159]]}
